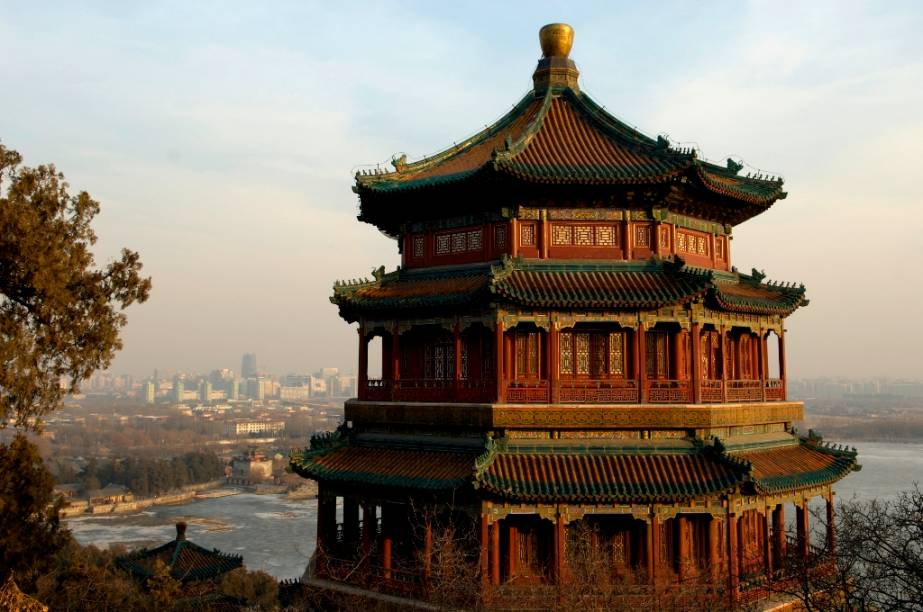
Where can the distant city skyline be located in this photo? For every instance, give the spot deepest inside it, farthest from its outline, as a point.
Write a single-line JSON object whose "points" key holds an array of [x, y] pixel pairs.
{"points": [[222, 142]]}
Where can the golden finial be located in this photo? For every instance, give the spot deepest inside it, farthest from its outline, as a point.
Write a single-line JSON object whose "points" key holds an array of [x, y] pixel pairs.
{"points": [[556, 39]]}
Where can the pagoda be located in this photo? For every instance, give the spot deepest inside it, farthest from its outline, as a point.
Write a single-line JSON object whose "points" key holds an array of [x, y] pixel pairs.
{"points": [[567, 353]]}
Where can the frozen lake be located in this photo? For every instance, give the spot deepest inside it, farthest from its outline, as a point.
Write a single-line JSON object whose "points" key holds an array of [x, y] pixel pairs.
{"points": [[277, 535]]}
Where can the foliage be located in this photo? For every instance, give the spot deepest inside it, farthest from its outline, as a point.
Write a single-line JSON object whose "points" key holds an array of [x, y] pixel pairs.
{"points": [[30, 531], [147, 477], [60, 315], [258, 589], [87, 579]]}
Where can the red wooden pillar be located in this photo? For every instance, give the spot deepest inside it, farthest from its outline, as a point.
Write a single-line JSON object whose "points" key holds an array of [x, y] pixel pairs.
{"points": [[457, 345], [554, 368], [714, 541], [514, 237], [396, 353], [778, 533], [733, 559], [725, 357], [767, 542], [499, 359], [831, 525], [485, 569], [654, 560], [801, 520], [744, 542], [559, 548], [495, 553], [782, 364], [682, 552], [544, 228], [386, 556], [362, 391], [512, 550], [696, 364], [642, 363]]}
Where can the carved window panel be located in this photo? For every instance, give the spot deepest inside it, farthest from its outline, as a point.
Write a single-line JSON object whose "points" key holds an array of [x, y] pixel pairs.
{"points": [[439, 369], [616, 354], [464, 361], [583, 235], [500, 236], [582, 342], [419, 246], [719, 248], [664, 237], [474, 240], [458, 242], [527, 354], [701, 245], [605, 235], [643, 236], [527, 234], [562, 235], [655, 344], [566, 344], [442, 244], [680, 242]]}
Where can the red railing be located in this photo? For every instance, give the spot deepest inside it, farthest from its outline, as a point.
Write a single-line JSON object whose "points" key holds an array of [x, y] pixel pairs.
{"points": [[669, 392], [430, 390], [712, 391], [745, 391], [527, 392], [598, 392], [775, 389]]}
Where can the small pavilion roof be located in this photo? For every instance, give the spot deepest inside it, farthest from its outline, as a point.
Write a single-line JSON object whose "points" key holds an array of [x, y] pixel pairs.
{"points": [[574, 284], [186, 561], [581, 471], [565, 138]]}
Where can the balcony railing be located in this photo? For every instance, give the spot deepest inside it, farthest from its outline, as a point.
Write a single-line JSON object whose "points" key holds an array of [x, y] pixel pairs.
{"points": [[744, 391], [527, 392], [598, 392], [430, 390], [669, 391], [589, 391]]}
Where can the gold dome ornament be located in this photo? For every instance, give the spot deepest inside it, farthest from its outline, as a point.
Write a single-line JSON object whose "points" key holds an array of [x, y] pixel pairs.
{"points": [[556, 39]]}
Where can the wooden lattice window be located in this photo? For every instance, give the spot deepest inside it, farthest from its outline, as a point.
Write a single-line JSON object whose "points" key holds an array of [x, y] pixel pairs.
{"points": [[643, 235], [616, 354], [527, 234], [500, 236], [419, 246], [527, 355], [657, 357], [439, 359], [595, 354], [566, 343]]}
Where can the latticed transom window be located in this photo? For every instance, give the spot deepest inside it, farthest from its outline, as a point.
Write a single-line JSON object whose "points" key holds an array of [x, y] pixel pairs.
{"points": [[616, 354], [419, 246], [527, 355], [527, 234], [655, 344], [595, 354], [566, 343]]}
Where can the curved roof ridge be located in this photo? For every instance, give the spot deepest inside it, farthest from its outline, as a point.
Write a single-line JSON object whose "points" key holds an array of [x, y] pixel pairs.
{"points": [[403, 169], [531, 129]]}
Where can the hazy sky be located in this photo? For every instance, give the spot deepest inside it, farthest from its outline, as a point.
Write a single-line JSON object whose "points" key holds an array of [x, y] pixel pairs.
{"points": [[221, 139]]}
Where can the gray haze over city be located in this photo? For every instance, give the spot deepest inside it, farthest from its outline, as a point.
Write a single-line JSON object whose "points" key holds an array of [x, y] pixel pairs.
{"points": [[221, 142]]}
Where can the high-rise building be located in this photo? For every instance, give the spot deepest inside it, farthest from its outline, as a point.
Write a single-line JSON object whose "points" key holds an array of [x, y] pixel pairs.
{"points": [[178, 390], [150, 392], [233, 389], [569, 357], [205, 390], [248, 365]]}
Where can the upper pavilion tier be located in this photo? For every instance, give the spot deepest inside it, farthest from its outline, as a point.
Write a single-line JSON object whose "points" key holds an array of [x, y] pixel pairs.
{"points": [[557, 147]]}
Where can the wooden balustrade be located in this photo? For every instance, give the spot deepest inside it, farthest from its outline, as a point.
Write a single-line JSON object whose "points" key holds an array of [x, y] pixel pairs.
{"points": [[669, 391], [528, 392], [589, 391], [745, 391], [598, 392]]}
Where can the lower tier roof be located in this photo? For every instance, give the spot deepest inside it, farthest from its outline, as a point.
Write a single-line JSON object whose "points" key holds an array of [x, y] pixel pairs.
{"points": [[643, 471], [603, 285]]}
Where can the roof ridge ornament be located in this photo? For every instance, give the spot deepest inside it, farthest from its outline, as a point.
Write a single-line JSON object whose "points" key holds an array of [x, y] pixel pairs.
{"points": [[555, 70]]}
